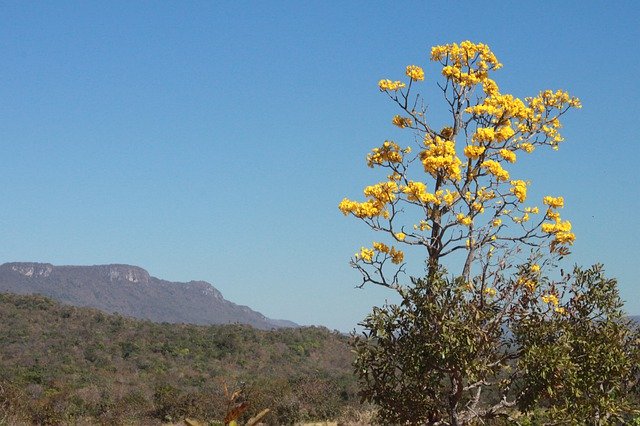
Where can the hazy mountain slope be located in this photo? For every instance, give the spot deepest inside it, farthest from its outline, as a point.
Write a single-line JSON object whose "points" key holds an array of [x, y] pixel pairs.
{"points": [[131, 291]]}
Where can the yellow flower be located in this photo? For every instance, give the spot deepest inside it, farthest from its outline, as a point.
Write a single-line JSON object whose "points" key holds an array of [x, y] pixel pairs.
{"points": [[550, 298], [402, 122], [490, 291], [464, 220], [473, 152], [510, 156], [389, 152], [365, 254], [484, 134], [400, 236], [415, 72], [422, 225], [533, 210], [553, 202], [380, 247], [390, 85], [519, 189], [505, 133], [527, 147], [417, 191], [496, 222], [477, 207], [440, 156], [450, 197], [535, 268], [496, 169], [553, 215]]}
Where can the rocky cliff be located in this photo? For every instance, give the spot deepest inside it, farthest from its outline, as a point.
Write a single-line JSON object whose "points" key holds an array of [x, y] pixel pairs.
{"points": [[131, 291]]}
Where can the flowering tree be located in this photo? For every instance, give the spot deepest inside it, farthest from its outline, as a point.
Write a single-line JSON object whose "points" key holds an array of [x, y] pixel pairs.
{"points": [[430, 358]]}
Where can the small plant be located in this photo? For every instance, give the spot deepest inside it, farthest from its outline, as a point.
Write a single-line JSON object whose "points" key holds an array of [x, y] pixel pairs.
{"points": [[237, 404]]}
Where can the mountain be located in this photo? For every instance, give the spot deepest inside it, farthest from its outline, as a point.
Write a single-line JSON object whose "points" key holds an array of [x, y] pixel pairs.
{"points": [[131, 291]]}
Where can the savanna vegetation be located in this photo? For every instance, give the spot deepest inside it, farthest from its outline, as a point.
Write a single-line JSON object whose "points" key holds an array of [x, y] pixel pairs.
{"points": [[493, 331], [64, 365]]}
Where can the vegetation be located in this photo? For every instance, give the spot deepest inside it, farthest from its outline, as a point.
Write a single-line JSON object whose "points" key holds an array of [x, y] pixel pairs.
{"points": [[63, 364], [497, 340]]}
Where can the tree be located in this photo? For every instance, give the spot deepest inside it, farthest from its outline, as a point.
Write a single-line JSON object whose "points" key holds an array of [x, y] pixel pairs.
{"points": [[449, 352]]}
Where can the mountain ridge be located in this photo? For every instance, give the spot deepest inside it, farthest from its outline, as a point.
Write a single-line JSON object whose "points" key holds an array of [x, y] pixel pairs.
{"points": [[131, 291]]}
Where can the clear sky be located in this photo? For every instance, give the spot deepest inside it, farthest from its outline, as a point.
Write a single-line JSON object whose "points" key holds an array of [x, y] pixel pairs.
{"points": [[213, 140]]}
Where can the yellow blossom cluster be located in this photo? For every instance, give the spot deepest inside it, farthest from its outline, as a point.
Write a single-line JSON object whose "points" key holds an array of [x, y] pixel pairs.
{"points": [[402, 122], [477, 206], [496, 169], [365, 254], [496, 222], [417, 191], [528, 283], [470, 78], [473, 152], [509, 156], [383, 191], [520, 219], [527, 147], [540, 121], [400, 236], [379, 196], [550, 99], [553, 299], [550, 298], [397, 256], [389, 152], [504, 133], [503, 106], [464, 53], [483, 194], [519, 189], [450, 197], [552, 214], [392, 86], [422, 225], [440, 157], [490, 87], [561, 231], [554, 202], [484, 134], [361, 210], [467, 63], [490, 291], [464, 219], [415, 73]]}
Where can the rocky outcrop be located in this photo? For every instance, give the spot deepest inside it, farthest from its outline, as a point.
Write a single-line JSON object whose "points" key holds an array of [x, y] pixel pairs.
{"points": [[131, 291]]}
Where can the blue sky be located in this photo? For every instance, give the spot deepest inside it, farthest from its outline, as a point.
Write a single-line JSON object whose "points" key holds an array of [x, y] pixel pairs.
{"points": [[214, 140]]}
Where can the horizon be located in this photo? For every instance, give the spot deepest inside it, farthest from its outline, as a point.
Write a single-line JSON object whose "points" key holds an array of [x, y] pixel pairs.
{"points": [[214, 141]]}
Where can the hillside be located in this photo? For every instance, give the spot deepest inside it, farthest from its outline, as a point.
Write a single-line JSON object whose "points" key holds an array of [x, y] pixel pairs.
{"points": [[61, 363], [130, 291]]}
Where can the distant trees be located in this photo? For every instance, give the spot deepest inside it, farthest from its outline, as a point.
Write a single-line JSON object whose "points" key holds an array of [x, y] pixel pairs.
{"points": [[499, 335], [67, 365]]}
